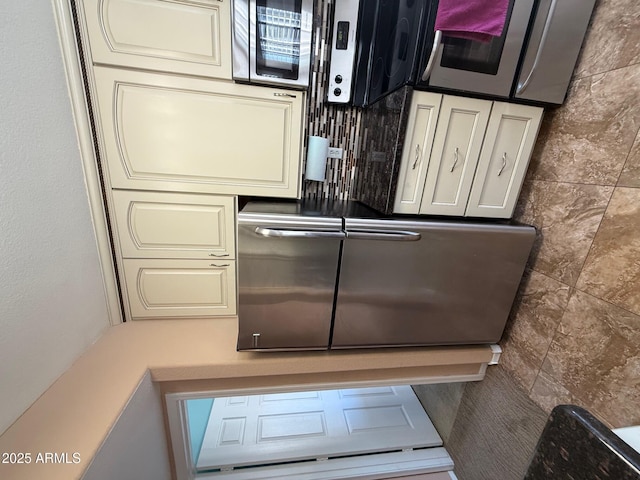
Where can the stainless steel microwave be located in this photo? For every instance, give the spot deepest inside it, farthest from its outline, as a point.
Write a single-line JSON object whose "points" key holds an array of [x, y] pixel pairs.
{"points": [[271, 41], [397, 44]]}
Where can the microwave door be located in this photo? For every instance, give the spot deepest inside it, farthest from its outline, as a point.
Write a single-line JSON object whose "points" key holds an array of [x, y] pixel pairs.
{"points": [[553, 49], [280, 41], [486, 68]]}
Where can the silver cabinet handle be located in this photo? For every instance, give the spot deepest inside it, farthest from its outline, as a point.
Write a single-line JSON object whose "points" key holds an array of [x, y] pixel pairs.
{"points": [[280, 94], [391, 235], [431, 63], [504, 163], [545, 32], [218, 254], [219, 265], [455, 160], [415, 162], [283, 233], [256, 339]]}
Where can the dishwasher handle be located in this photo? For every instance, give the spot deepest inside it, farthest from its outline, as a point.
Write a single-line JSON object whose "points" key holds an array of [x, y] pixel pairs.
{"points": [[389, 235], [286, 233]]}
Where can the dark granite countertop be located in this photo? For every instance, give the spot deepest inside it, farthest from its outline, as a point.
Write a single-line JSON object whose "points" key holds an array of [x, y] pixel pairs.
{"points": [[576, 446]]}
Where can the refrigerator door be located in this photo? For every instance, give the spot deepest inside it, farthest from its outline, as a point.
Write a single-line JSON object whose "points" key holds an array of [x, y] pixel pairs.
{"points": [[553, 49], [287, 268], [427, 283]]}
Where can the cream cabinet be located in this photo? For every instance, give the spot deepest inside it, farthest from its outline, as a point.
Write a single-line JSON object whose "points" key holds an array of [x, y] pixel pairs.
{"points": [[507, 148], [188, 37], [174, 133], [174, 225], [178, 253], [180, 288], [456, 148], [464, 156]]}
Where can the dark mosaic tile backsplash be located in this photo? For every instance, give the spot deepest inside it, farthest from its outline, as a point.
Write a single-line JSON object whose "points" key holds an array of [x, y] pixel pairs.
{"points": [[371, 138]]}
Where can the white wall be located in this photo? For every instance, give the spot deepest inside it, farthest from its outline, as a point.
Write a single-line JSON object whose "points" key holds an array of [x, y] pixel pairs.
{"points": [[136, 447], [52, 300]]}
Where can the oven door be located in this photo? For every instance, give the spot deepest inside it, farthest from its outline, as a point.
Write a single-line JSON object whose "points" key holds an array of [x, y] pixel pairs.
{"points": [[477, 67], [272, 41]]}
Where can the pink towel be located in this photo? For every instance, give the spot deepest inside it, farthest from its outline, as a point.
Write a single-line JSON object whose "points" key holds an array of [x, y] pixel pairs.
{"points": [[479, 20]]}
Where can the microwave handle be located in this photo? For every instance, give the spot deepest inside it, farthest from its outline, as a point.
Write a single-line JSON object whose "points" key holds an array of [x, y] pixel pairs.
{"points": [[434, 49], [543, 40]]}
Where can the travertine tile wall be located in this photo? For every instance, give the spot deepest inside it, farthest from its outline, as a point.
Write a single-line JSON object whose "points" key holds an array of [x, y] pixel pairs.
{"points": [[574, 336]]}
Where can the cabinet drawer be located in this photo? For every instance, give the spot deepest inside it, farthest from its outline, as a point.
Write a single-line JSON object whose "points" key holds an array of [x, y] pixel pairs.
{"points": [[511, 135], [416, 153], [456, 148], [165, 35], [172, 225], [180, 288], [173, 133]]}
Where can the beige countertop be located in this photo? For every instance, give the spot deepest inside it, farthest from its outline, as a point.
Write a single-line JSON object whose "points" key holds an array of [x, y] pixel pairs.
{"points": [[78, 411]]}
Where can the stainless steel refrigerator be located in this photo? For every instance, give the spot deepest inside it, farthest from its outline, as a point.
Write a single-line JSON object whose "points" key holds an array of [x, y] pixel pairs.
{"points": [[319, 276]]}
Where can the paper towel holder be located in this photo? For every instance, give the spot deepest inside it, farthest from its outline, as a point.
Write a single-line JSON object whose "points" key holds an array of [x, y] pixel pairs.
{"points": [[317, 153]]}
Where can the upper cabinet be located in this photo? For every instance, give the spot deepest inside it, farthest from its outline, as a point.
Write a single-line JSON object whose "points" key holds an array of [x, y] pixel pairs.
{"points": [[188, 37], [464, 156], [174, 133]]}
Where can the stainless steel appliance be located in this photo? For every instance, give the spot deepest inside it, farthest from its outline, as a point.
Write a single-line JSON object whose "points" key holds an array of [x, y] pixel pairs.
{"points": [[532, 62], [271, 41], [314, 277]]}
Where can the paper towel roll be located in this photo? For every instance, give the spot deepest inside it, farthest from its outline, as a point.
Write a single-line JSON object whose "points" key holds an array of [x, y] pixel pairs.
{"points": [[317, 153]]}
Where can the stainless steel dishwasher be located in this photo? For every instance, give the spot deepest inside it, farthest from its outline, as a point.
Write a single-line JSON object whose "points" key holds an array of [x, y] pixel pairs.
{"points": [[318, 278]]}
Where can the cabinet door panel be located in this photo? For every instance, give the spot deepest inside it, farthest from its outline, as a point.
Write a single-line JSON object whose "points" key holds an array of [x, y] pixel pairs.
{"points": [[165, 35], [171, 225], [179, 134], [456, 148], [180, 288], [423, 117], [505, 155]]}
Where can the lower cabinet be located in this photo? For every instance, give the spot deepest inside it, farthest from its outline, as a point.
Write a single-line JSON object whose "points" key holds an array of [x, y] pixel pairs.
{"points": [[177, 253], [464, 156], [180, 288]]}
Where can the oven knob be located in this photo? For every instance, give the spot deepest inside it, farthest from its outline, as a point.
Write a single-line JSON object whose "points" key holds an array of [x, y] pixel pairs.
{"points": [[338, 79], [337, 92]]}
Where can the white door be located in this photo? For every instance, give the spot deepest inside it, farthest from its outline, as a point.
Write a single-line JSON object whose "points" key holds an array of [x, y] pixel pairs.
{"points": [[265, 429]]}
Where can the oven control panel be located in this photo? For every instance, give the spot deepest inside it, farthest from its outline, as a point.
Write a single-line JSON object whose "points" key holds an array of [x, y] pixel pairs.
{"points": [[343, 50]]}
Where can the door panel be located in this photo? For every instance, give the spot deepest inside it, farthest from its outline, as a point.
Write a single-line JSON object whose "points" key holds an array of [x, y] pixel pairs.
{"points": [[287, 287], [171, 225], [465, 78], [179, 134], [263, 429], [504, 159], [455, 153], [165, 35], [455, 285], [425, 107], [554, 46], [180, 288]]}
